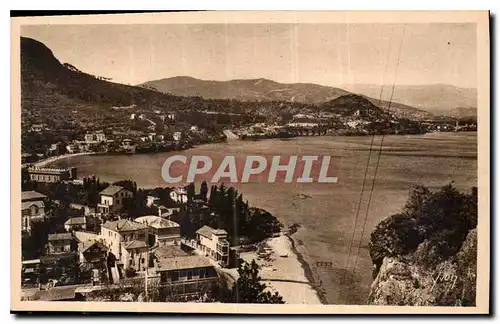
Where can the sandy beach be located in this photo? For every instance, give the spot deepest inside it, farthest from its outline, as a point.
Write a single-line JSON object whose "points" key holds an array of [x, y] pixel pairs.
{"points": [[45, 162], [282, 271]]}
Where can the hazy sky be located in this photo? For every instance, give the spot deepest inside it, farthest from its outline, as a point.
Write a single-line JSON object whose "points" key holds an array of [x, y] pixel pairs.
{"points": [[328, 54]]}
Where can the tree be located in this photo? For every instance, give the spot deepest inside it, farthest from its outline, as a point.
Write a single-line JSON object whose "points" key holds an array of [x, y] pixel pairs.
{"points": [[191, 190], [204, 190], [249, 289], [442, 218]]}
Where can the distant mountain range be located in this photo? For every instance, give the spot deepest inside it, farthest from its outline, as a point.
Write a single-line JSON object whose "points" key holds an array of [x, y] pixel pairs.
{"points": [[435, 99], [439, 99]]}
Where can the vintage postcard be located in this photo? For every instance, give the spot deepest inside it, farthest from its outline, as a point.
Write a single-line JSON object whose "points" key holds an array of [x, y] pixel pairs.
{"points": [[251, 162]]}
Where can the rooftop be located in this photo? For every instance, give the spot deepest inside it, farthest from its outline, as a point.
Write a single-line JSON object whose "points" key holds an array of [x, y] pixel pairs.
{"points": [[112, 190], [156, 221], [169, 251], [84, 246], [135, 245], [76, 221], [124, 225], [60, 236], [183, 262], [207, 231], [28, 204], [31, 195]]}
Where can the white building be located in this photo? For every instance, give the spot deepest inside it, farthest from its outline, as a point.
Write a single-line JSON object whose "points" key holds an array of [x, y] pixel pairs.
{"points": [[76, 223], [179, 195], [96, 137], [112, 199], [152, 200], [213, 242], [164, 231], [127, 240]]}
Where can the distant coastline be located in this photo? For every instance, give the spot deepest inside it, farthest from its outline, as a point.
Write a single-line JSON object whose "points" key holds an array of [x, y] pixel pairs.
{"points": [[45, 162]]}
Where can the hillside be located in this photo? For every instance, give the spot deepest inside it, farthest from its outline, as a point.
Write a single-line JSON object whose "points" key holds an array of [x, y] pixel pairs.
{"points": [[439, 99], [262, 90], [247, 90]]}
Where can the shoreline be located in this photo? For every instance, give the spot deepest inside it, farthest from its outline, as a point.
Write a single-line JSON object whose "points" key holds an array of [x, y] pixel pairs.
{"points": [[283, 270], [307, 271], [44, 162]]}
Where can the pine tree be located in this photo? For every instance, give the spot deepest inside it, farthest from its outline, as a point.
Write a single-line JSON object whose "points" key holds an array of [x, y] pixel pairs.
{"points": [[249, 289], [204, 190]]}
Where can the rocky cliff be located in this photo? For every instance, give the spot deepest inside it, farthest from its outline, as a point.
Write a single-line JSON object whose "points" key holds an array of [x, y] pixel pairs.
{"points": [[426, 256], [403, 281]]}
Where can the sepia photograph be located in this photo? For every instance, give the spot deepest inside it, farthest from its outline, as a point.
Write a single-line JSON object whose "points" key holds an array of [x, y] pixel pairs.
{"points": [[251, 162]]}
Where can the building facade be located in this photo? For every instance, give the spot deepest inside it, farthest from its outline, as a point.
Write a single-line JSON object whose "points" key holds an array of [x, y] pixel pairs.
{"points": [[60, 243], [111, 199], [213, 243], [51, 175], [179, 195], [95, 137], [127, 240], [185, 275], [76, 224], [164, 231], [32, 209]]}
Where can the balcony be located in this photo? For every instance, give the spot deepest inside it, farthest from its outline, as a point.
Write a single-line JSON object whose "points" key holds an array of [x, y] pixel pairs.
{"points": [[222, 247]]}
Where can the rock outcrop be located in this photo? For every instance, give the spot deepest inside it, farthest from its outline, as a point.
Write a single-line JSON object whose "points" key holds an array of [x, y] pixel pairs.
{"points": [[403, 281], [427, 254]]}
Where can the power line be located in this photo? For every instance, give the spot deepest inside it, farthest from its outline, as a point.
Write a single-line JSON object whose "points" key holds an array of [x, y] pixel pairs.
{"points": [[379, 153], [366, 170]]}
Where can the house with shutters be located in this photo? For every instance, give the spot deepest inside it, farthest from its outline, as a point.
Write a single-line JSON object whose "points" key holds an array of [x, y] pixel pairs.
{"points": [[111, 199]]}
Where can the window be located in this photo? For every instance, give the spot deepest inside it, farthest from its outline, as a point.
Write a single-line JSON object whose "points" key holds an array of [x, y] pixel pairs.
{"points": [[182, 273], [189, 275], [142, 260]]}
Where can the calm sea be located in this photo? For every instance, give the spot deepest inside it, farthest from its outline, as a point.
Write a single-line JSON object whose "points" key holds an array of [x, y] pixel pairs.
{"points": [[327, 212]]}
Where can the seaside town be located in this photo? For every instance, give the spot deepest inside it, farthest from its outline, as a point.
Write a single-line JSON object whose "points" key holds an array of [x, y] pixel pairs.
{"points": [[87, 240], [91, 234], [164, 132]]}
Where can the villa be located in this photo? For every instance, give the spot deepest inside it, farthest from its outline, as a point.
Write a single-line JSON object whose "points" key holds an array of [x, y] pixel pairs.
{"points": [[164, 231], [112, 199], [127, 240]]}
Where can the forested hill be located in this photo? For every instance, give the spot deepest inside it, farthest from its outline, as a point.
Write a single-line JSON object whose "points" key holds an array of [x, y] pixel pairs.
{"points": [[264, 90], [63, 97]]}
